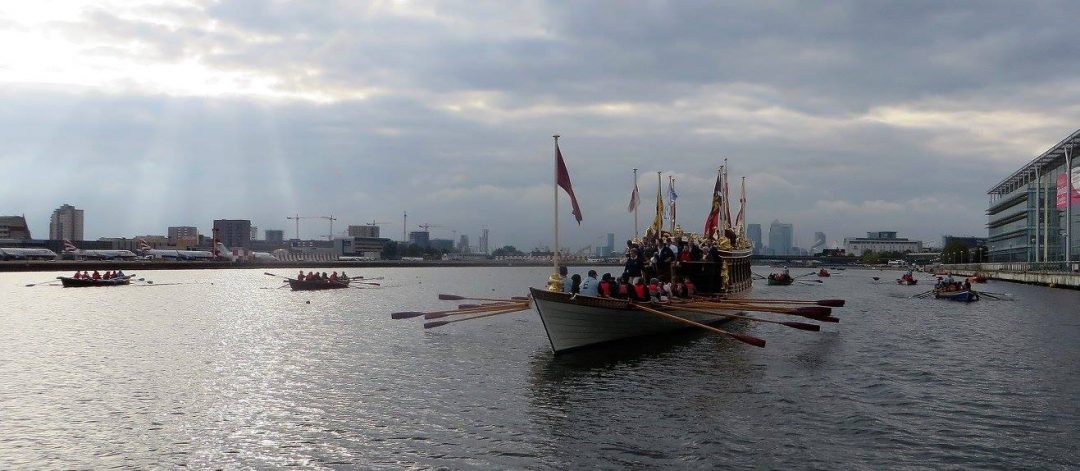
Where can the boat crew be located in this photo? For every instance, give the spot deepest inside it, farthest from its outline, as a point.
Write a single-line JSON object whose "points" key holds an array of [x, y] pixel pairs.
{"points": [[300, 277], [96, 275], [333, 277], [590, 285], [120, 274], [78, 276]]}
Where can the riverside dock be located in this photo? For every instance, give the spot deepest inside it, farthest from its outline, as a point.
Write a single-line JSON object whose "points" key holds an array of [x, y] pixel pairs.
{"points": [[1052, 274]]}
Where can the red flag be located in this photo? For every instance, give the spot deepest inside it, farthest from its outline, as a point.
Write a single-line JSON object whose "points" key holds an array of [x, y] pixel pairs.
{"points": [[739, 219], [713, 221], [564, 182], [634, 200]]}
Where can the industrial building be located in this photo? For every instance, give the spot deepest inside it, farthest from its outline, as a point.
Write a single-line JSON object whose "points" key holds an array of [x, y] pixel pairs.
{"points": [[14, 228], [233, 232], [1030, 215], [880, 241]]}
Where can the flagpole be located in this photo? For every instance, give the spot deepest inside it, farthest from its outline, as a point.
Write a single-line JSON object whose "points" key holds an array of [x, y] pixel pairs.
{"points": [[659, 192], [671, 192], [555, 256], [636, 205]]}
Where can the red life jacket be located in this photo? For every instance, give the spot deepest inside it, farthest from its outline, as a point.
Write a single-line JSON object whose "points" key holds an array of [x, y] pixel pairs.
{"points": [[605, 289], [639, 290], [624, 290], [654, 289], [684, 256]]}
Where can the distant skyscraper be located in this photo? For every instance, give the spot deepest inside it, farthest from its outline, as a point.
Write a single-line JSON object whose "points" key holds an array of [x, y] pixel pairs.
{"points": [[233, 232], [66, 223], [819, 243], [484, 241], [754, 232], [463, 244], [610, 244], [780, 238]]}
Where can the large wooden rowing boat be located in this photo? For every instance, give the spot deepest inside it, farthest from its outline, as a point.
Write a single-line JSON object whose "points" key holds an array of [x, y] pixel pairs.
{"points": [[575, 321], [314, 285], [69, 282]]}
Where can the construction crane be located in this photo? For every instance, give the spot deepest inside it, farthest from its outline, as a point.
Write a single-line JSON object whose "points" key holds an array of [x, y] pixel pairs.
{"points": [[374, 223], [427, 227], [297, 218], [331, 218]]}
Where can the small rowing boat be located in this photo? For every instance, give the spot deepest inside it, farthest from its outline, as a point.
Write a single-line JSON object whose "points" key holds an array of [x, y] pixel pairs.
{"points": [[779, 279], [823, 273], [966, 296], [315, 285], [70, 282]]}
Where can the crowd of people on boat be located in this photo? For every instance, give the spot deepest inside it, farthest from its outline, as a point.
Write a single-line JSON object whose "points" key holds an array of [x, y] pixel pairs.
{"points": [[626, 287], [316, 276], [947, 283], [655, 256], [84, 275], [782, 276]]}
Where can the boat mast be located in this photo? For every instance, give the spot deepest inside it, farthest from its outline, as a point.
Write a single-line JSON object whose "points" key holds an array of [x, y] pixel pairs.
{"points": [[555, 179], [636, 205]]}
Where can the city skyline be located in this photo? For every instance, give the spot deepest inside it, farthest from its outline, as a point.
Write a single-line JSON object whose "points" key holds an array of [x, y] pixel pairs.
{"points": [[149, 116]]}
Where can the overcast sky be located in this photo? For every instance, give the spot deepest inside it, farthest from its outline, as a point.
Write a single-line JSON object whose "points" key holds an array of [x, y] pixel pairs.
{"points": [[845, 117]]}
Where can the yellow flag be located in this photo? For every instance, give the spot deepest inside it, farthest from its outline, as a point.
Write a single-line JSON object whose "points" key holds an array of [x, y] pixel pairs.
{"points": [[658, 222]]}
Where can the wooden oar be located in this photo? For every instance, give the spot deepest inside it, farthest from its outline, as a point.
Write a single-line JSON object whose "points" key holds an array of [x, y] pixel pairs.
{"points": [[819, 302], [43, 282], [516, 307], [817, 313], [428, 325], [757, 342], [454, 297], [796, 325], [459, 310]]}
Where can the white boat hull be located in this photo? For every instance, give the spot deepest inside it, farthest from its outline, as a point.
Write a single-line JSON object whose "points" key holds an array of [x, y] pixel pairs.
{"points": [[574, 322]]}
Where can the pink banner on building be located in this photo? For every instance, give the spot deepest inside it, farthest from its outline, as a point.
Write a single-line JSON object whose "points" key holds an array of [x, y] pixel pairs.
{"points": [[1062, 189]]}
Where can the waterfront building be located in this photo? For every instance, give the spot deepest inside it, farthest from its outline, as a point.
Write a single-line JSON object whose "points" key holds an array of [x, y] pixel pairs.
{"points": [[754, 232], [364, 247], [367, 230], [183, 236], [484, 241], [463, 244], [254, 233], [610, 249], [14, 228], [1031, 215], [420, 238], [66, 223], [275, 236], [881, 241], [781, 238], [445, 245], [233, 232]]}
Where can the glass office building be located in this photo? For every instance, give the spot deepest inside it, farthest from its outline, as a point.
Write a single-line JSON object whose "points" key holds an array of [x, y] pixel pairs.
{"points": [[1029, 210]]}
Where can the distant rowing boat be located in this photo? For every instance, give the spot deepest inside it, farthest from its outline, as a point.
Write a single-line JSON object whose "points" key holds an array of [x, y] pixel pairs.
{"points": [[70, 282], [315, 285]]}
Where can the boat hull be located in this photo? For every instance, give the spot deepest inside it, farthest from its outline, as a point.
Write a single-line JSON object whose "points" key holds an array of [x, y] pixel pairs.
{"points": [[573, 322], [69, 282], [959, 296], [775, 282], [316, 285], [907, 282]]}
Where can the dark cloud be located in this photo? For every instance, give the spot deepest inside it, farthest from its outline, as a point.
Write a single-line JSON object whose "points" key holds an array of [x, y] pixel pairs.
{"points": [[849, 117]]}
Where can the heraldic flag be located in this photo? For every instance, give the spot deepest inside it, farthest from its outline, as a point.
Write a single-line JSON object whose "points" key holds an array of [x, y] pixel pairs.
{"points": [[564, 182]]}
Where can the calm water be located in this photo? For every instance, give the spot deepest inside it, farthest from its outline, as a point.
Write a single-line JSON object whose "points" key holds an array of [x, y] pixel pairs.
{"points": [[230, 372]]}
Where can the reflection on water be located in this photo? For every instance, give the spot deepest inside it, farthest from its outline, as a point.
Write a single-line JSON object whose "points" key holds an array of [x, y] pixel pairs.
{"points": [[238, 373]]}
